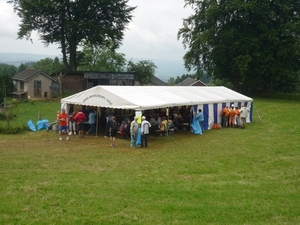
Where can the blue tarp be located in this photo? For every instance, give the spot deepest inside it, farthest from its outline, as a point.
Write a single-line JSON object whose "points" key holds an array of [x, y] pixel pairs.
{"points": [[31, 125], [196, 129], [42, 124], [139, 137]]}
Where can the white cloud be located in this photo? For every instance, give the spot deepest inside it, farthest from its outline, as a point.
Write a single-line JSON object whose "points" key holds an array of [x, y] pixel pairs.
{"points": [[153, 32], [9, 27]]}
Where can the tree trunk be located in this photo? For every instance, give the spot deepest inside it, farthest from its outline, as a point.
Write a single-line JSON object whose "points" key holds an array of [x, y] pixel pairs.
{"points": [[65, 57], [73, 56]]}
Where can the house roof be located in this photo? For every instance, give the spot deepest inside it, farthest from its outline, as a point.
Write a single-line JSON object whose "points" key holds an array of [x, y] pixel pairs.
{"points": [[158, 82], [29, 73], [190, 82]]}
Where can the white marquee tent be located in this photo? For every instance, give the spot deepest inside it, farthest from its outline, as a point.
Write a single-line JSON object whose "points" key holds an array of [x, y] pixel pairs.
{"points": [[211, 99]]}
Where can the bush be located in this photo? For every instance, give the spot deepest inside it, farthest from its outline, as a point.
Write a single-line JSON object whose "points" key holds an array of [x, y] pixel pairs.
{"points": [[13, 130], [281, 96]]}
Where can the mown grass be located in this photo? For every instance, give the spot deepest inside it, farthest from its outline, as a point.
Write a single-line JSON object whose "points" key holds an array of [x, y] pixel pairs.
{"points": [[226, 176]]}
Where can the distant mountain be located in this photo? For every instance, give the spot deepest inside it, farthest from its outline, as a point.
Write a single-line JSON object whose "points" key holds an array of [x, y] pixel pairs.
{"points": [[17, 58], [165, 68], [169, 68]]}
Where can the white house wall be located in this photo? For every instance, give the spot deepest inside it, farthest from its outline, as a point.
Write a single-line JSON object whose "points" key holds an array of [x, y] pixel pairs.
{"points": [[45, 85]]}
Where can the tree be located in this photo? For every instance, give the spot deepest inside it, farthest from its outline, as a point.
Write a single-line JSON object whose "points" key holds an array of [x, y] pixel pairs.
{"points": [[252, 44], [6, 69], [69, 22], [171, 81], [6, 86], [105, 59], [22, 67], [49, 65], [144, 70]]}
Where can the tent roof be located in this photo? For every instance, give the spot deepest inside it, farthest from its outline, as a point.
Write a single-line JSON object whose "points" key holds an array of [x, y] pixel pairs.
{"points": [[150, 97]]}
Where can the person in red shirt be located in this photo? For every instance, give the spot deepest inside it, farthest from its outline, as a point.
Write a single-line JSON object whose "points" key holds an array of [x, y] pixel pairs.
{"points": [[63, 119], [80, 118]]}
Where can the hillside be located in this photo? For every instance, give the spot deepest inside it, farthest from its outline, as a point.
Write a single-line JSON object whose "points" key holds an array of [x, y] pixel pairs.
{"points": [[165, 68], [17, 58]]}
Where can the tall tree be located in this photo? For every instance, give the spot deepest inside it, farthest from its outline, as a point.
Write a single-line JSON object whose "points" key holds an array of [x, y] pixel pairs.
{"points": [[69, 22], [144, 70], [49, 65], [6, 86], [6, 69], [105, 59], [251, 43], [22, 67]]}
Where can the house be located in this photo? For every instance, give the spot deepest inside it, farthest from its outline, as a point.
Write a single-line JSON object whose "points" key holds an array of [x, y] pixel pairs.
{"points": [[191, 82], [74, 82], [155, 81], [33, 83]]}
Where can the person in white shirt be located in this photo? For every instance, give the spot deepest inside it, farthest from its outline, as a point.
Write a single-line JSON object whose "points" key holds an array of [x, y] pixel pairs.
{"points": [[145, 127], [134, 128], [243, 114]]}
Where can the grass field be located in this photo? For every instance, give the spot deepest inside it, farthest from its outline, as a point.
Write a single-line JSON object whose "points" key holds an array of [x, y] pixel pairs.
{"points": [[226, 176]]}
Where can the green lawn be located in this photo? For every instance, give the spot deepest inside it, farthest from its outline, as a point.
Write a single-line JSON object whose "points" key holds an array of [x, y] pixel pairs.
{"points": [[226, 176]]}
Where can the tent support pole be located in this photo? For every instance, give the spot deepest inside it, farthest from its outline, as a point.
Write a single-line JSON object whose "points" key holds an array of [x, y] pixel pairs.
{"points": [[97, 123]]}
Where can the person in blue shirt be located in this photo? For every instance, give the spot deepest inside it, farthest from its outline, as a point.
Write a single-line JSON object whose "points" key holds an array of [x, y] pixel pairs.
{"points": [[92, 122], [199, 116]]}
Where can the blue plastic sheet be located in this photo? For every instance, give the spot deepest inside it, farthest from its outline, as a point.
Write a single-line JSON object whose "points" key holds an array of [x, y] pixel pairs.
{"points": [[139, 137], [31, 125], [42, 124], [196, 129]]}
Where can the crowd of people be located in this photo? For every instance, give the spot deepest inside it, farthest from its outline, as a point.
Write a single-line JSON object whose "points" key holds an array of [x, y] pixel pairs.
{"points": [[234, 116], [161, 122], [74, 123]]}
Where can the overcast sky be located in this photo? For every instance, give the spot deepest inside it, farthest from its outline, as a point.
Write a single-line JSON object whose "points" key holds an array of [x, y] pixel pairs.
{"points": [[152, 35]]}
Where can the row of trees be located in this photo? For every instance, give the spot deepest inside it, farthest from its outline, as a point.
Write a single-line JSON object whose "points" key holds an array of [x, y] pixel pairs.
{"points": [[102, 60], [254, 45], [95, 28], [251, 45], [71, 23]]}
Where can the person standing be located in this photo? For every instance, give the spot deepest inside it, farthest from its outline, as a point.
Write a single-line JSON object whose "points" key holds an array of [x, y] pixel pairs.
{"points": [[127, 129], [80, 119], [237, 117], [63, 119], [72, 123], [113, 130], [134, 128], [92, 122], [225, 115], [232, 114], [108, 121], [145, 127], [200, 118], [243, 113]]}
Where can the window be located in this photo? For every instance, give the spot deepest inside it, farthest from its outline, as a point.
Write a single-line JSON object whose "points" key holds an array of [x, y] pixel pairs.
{"points": [[21, 86]]}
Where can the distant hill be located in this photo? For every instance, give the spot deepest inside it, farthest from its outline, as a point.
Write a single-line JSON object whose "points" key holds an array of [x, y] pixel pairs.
{"points": [[165, 68], [17, 58], [169, 68]]}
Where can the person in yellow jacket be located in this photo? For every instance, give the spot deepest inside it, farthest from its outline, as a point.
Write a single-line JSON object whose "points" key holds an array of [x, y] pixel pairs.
{"points": [[232, 114], [225, 115]]}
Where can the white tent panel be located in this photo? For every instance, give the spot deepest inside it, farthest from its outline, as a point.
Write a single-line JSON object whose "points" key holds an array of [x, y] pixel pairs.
{"points": [[150, 97], [210, 99]]}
